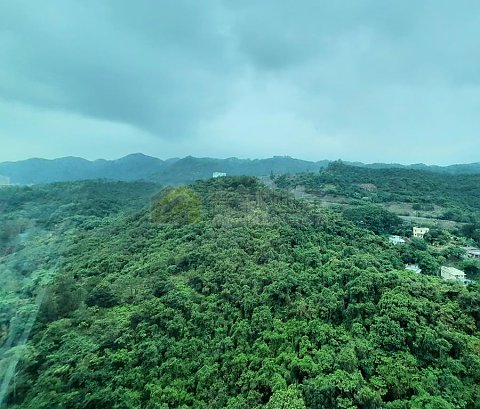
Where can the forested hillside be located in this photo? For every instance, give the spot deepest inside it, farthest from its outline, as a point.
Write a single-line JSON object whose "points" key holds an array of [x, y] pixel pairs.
{"points": [[226, 294], [432, 195], [37, 224]]}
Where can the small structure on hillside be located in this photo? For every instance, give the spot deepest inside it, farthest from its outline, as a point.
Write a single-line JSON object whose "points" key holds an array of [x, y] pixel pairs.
{"points": [[218, 174], [4, 181], [472, 252], [413, 267], [370, 187], [419, 232], [452, 274], [396, 240]]}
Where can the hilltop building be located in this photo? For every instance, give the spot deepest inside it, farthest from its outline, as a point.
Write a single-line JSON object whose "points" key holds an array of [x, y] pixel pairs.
{"points": [[4, 181], [396, 240], [452, 274], [419, 232], [218, 174]]}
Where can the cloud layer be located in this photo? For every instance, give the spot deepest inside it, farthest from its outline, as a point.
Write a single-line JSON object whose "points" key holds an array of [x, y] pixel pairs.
{"points": [[363, 80]]}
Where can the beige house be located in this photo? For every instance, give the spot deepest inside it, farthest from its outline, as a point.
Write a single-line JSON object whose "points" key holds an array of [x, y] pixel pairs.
{"points": [[419, 232], [452, 274]]}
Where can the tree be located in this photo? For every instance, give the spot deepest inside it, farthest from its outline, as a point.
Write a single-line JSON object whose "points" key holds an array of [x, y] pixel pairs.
{"points": [[177, 206], [428, 263], [374, 218], [453, 253], [102, 296], [289, 398]]}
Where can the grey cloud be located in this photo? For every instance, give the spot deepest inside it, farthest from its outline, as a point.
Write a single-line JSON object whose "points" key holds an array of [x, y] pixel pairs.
{"points": [[361, 72], [409, 40], [157, 68]]}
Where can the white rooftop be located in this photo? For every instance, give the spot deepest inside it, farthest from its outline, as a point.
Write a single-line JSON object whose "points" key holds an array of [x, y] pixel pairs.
{"points": [[452, 273]]}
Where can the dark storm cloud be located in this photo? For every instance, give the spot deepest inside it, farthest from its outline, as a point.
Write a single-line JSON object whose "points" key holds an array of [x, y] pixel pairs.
{"points": [[357, 79], [157, 66], [400, 39]]}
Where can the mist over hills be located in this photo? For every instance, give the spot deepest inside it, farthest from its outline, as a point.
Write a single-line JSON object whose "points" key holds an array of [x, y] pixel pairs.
{"points": [[179, 170]]}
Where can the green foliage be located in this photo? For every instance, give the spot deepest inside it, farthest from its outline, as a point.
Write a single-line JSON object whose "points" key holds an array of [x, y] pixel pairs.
{"points": [[288, 398], [453, 253], [418, 244], [374, 218], [437, 236], [421, 206], [471, 268], [429, 264], [102, 295], [472, 230], [178, 206], [453, 197], [264, 301]]}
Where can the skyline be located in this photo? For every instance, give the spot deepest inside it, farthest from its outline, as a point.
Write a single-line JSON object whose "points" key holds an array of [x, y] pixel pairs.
{"points": [[368, 82]]}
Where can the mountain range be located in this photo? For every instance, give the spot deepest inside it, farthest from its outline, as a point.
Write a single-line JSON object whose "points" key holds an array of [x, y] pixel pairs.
{"points": [[179, 170]]}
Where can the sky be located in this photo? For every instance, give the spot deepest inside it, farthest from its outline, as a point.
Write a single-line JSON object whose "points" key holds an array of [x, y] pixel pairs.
{"points": [[366, 80]]}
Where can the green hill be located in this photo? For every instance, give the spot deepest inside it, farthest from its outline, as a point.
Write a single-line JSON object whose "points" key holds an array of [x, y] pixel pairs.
{"points": [[225, 294]]}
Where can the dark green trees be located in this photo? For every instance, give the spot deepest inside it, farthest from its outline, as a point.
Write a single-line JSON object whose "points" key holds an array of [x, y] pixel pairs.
{"points": [[268, 303], [177, 206]]}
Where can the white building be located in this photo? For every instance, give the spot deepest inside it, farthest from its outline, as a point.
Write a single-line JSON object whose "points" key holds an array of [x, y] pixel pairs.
{"points": [[4, 180], [472, 252], [218, 174], [419, 232], [452, 274], [413, 267], [396, 240]]}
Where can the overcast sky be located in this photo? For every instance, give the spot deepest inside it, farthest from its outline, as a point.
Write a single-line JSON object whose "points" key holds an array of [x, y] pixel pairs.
{"points": [[389, 81]]}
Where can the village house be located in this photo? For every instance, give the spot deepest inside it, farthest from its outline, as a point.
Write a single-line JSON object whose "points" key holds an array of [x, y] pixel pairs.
{"points": [[218, 174], [419, 232], [396, 240], [413, 267], [472, 252], [452, 274]]}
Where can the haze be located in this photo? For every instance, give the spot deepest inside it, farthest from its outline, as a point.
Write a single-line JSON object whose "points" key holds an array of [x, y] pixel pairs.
{"points": [[363, 80]]}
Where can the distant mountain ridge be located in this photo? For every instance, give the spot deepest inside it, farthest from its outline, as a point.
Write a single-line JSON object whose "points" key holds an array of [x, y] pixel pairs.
{"points": [[33, 171], [462, 168], [138, 166]]}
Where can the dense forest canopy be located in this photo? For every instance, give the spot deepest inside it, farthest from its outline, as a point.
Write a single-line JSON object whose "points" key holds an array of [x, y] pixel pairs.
{"points": [[391, 184], [453, 197], [36, 226], [226, 294]]}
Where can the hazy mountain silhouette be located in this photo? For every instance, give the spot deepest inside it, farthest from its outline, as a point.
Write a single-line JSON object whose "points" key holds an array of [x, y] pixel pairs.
{"points": [[175, 171]]}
